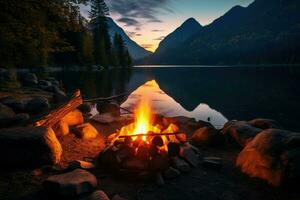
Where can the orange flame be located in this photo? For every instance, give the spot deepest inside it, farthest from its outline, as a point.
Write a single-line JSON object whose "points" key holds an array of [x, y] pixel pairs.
{"points": [[143, 121]]}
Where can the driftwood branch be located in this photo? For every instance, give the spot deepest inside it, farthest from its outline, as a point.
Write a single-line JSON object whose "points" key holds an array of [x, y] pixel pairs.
{"points": [[56, 115], [107, 98]]}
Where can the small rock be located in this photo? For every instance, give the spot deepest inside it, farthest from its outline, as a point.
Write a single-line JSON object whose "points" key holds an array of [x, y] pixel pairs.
{"points": [[38, 105], [29, 79], [173, 149], [208, 136], [70, 184], [159, 179], [59, 96], [86, 131], [117, 197], [190, 156], [180, 164], [62, 128], [134, 164], [171, 173], [240, 131], [6, 114], [265, 123], [159, 163], [17, 105], [43, 84], [73, 118], [37, 172], [80, 164], [97, 195], [212, 164], [21, 118], [213, 158]]}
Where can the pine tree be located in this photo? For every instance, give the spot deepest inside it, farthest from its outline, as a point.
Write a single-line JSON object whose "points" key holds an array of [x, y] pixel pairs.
{"points": [[102, 43]]}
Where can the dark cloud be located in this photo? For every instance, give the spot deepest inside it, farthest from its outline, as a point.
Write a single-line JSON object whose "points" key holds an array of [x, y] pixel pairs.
{"points": [[130, 34], [160, 38], [129, 21], [135, 9]]}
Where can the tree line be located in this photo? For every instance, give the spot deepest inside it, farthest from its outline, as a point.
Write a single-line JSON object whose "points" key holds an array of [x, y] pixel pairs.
{"points": [[37, 33]]}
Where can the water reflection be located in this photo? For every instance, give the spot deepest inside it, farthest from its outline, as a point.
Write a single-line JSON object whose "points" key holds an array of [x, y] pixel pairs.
{"points": [[165, 105]]}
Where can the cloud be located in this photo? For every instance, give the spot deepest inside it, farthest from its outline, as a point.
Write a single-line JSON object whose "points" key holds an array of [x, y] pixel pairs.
{"points": [[133, 34], [160, 38], [128, 21], [133, 10]]}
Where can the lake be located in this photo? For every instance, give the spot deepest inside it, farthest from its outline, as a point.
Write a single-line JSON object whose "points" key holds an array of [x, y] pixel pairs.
{"points": [[222, 93]]}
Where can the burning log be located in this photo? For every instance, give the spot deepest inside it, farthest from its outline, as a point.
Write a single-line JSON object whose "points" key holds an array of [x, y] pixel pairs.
{"points": [[56, 115], [149, 134]]}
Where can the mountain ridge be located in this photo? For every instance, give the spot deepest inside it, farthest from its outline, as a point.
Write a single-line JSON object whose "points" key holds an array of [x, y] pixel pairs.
{"points": [[135, 50], [265, 32]]}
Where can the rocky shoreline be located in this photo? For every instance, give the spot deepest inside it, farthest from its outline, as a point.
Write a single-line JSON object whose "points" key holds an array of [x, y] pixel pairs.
{"points": [[259, 148]]}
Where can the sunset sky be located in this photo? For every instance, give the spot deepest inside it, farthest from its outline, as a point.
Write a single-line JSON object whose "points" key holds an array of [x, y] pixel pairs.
{"points": [[148, 21]]}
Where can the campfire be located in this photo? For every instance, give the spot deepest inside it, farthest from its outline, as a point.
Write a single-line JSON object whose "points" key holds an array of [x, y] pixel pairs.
{"points": [[149, 144]]}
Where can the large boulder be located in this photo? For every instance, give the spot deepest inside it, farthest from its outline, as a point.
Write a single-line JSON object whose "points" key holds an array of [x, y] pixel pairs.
{"points": [[29, 146], [29, 79], [208, 136], [264, 123], [273, 155], [70, 184], [17, 105], [38, 105], [73, 118], [240, 131]]}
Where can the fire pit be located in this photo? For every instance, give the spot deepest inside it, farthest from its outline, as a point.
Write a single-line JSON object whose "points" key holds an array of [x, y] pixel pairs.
{"points": [[149, 146]]}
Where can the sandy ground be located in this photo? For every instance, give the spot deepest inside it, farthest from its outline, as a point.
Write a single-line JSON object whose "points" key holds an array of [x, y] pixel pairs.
{"points": [[200, 183]]}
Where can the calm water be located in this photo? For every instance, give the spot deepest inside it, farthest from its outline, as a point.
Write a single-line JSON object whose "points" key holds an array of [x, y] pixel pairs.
{"points": [[241, 93]]}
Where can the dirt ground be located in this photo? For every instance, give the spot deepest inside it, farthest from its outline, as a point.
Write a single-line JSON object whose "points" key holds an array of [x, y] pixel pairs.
{"points": [[200, 183]]}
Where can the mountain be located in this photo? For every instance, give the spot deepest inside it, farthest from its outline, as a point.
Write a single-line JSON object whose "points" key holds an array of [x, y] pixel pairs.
{"points": [[136, 51], [265, 32], [187, 29]]}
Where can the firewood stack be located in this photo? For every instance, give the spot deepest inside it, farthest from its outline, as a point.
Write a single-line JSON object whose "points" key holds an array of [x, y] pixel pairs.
{"points": [[163, 155]]}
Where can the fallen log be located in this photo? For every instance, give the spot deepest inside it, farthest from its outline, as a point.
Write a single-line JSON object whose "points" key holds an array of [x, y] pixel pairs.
{"points": [[56, 115]]}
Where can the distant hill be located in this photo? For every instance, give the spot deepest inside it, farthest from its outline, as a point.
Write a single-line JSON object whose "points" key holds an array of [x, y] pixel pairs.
{"points": [[187, 29], [136, 51], [265, 32]]}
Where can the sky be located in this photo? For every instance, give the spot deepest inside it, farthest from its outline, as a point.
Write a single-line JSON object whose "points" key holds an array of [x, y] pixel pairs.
{"points": [[147, 22]]}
